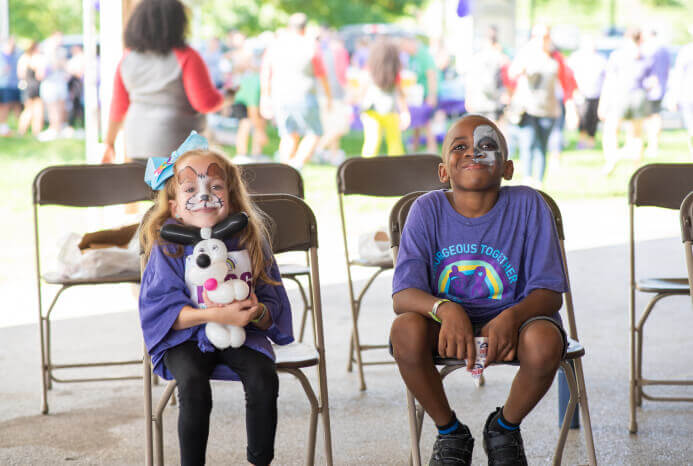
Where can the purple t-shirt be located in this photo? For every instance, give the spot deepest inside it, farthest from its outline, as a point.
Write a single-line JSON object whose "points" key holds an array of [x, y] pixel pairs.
{"points": [[164, 293], [486, 264]]}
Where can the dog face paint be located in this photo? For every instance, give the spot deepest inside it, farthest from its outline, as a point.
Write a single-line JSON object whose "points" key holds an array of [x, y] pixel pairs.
{"points": [[486, 146], [202, 190]]}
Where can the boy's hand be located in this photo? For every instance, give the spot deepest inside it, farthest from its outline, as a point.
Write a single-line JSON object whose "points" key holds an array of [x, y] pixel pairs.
{"points": [[456, 337], [502, 337]]}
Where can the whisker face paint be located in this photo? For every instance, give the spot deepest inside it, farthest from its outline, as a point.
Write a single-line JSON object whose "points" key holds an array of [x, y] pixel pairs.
{"points": [[204, 190], [486, 146]]}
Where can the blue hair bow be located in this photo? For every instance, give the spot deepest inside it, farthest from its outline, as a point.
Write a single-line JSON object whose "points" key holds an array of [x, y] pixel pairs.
{"points": [[160, 169]]}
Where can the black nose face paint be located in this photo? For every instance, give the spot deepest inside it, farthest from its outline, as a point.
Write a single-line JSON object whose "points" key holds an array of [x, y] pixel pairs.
{"points": [[487, 146]]}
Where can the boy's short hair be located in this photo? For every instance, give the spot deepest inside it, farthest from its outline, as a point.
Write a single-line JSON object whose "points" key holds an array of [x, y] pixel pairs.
{"points": [[491, 123]]}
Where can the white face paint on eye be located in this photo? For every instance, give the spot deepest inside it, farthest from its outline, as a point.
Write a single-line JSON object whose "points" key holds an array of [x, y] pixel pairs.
{"points": [[486, 146]]}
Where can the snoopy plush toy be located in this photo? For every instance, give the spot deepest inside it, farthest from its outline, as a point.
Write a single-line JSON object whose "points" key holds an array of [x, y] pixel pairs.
{"points": [[207, 267]]}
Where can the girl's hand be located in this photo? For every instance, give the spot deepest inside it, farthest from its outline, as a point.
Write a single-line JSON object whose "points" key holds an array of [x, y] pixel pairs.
{"points": [[238, 313]]}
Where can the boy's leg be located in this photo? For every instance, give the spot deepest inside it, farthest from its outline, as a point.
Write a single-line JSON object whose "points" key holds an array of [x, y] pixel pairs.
{"points": [[258, 374], [540, 349], [541, 345], [414, 341], [192, 368]]}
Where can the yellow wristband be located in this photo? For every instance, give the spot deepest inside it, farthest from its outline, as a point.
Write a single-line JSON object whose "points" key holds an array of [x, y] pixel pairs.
{"points": [[262, 314], [434, 312]]}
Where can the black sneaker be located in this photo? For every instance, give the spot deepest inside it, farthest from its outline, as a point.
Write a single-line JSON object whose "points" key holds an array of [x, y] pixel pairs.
{"points": [[503, 448], [453, 449]]}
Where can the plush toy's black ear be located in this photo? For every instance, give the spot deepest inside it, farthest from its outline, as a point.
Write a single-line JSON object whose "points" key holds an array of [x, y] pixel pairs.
{"points": [[180, 234], [230, 226]]}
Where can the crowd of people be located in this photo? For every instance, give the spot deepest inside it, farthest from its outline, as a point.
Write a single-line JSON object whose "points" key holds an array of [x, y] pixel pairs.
{"points": [[43, 86], [316, 88]]}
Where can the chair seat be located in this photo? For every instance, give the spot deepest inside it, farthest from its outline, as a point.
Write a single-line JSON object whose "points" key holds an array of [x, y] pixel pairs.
{"points": [[663, 285], [295, 355], [55, 278], [290, 270], [575, 350], [385, 263]]}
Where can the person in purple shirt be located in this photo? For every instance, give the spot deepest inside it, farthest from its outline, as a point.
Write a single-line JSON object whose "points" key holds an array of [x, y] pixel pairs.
{"points": [[656, 85], [199, 188], [478, 260]]}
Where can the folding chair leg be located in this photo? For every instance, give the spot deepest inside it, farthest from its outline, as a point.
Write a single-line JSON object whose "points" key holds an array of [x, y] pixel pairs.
{"points": [[584, 408], [355, 346], [633, 424], [314, 408], [570, 410], [148, 447], [414, 429], [639, 337], [44, 373]]}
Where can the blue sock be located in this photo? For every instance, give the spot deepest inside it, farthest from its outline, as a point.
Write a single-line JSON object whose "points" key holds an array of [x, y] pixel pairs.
{"points": [[500, 423], [451, 427]]}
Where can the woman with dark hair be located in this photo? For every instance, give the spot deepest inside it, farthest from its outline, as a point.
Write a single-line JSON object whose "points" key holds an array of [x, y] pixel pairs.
{"points": [[162, 87], [384, 108]]}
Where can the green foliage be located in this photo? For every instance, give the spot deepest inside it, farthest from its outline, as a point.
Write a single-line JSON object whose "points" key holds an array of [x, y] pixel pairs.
{"points": [[255, 16], [37, 19]]}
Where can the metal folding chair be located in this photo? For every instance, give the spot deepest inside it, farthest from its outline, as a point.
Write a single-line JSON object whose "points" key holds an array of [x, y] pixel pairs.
{"points": [[280, 178], [380, 177], [293, 228], [571, 364], [686, 216], [665, 186], [80, 186]]}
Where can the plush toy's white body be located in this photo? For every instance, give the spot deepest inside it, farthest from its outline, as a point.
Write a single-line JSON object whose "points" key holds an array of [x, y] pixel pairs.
{"points": [[207, 267]]}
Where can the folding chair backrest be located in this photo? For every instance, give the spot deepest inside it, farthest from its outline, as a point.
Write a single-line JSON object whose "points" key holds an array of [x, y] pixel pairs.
{"points": [[398, 218], [686, 215], [292, 222], [389, 176], [91, 185], [271, 178], [661, 185]]}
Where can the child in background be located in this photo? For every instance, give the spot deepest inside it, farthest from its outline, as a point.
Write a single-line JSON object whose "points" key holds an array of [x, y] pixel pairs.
{"points": [[478, 260], [247, 107], [384, 106], [200, 188]]}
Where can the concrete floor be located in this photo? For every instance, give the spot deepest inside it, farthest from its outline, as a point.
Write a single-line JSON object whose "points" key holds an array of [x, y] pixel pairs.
{"points": [[102, 423]]}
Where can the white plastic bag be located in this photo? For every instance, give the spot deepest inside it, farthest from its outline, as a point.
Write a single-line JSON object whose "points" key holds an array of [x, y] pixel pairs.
{"points": [[374, 246], [95, 263]]}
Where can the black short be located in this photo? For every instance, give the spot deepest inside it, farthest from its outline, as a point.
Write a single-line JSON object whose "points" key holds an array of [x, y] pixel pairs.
{"points": [[654, 107], [588, 116], [239, 111]]}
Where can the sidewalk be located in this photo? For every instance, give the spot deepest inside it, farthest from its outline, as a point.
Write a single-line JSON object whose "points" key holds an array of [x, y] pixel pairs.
{"points": [[102, 423]]}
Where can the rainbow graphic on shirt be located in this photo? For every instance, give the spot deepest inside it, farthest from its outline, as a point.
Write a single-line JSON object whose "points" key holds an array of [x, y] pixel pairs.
{"points": [[475, 279]]}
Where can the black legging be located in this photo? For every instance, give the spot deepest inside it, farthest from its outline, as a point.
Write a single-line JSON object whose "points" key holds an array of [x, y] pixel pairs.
{"points": [[192, 368]]}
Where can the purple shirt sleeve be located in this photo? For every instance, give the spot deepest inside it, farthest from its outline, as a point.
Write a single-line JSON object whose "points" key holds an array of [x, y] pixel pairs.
{"points": [[414, 255], [543, 267], [277, 302]]}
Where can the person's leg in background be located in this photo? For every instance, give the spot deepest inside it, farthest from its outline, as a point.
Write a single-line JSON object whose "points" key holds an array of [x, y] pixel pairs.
{"points": [[525, 136], [653, 127], [308, 116], [371, 133], [259, 133], [540, 146], [4, 111], [687, 112], [393, 134], [242, 136], [556, 140]]}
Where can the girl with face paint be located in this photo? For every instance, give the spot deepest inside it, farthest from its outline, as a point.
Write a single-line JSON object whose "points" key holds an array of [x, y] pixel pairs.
{"points": [[204, 188], [478, 260]]}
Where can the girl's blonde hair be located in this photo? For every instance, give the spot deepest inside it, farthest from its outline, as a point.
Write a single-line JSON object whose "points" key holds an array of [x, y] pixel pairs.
{"points": [[255, 237]]}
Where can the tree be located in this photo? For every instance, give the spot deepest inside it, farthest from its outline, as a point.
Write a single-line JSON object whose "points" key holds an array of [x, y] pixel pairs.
{"points": [[37, 19], [254, 16]]}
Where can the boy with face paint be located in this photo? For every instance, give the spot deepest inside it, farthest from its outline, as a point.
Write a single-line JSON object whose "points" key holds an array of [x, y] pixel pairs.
{"points": [[478, 260]]}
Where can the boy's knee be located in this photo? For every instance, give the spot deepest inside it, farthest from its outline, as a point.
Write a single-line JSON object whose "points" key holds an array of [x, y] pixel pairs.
{"points": [[409, 337], [541, 347]]}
